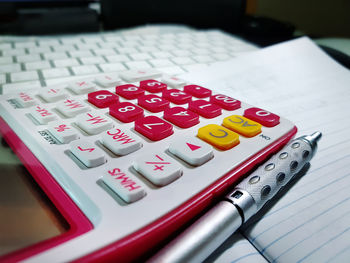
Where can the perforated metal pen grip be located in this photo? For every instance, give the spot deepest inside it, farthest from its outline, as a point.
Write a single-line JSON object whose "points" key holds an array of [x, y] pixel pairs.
{"points": [[259, 187]]}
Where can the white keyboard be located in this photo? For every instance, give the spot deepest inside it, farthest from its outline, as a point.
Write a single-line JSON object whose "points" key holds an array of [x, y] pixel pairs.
{"points": [[138, 154], [33, 62]]}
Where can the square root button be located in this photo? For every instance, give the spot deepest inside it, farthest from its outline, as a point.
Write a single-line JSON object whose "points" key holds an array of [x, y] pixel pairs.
{"points": [[158, 168], [192, 150]]}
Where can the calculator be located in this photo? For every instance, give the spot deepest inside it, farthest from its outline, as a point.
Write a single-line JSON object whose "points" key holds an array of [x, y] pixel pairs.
{"points": [[127, 160]]}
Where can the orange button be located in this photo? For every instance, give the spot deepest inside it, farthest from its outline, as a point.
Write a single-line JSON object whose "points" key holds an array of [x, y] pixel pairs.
{"points": [[218, 136], [242, 125]]}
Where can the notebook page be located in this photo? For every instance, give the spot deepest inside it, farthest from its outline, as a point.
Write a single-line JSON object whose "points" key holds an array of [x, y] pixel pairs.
{"points": [[311, 223]]}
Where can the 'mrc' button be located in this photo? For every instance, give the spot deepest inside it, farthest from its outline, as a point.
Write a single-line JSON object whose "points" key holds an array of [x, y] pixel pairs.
{"points": [[264, 117]]}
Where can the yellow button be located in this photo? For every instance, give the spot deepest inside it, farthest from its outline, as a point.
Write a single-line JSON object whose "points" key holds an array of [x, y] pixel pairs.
{"points": [[218, 136], [242, 125]]}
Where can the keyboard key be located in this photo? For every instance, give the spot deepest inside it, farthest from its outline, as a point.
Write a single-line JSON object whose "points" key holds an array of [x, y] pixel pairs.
{"points": [[93, 122], [37, 65], [82, 87], [218, 136], [25, 100], [13, 52], [6, 60], [102, 98], [52, 94], [192, 150], [153, 103], [55, 73], [181, 117], [140, 56], [120, 142], [23, 76], [80, 54], [162, 54], [111, 67], [138, 75], [55, 55], [152, 86], [85, 70], [158, 168], [242, 125], [176, 96], [68, 62], [42, 114], [92, 60], [27, 85], [105, 52], [158, 63], [153, 128], [225, 102], [87, 153], [204, 108], [70, 108], [8, 68], [261, 116], [197, 91], [124, 184], [2, 79], [129, 91], [183, 60], [118, 58], [28, 58], [126, 111], [62, 131], [138, 65]]}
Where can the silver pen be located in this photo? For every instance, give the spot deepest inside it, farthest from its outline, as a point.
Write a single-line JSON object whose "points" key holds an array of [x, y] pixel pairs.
{"points": [[198, 241]]}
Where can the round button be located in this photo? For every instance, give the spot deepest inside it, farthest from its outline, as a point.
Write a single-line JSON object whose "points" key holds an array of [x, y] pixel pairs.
{"points": [[293, 165], [295, 145], [255, 179], [283, 155], [280, 177], [305, 154], [270, 167], [265, 190]]}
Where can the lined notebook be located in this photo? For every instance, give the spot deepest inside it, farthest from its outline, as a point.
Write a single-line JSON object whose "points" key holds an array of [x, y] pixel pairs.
{"points": [[311, 221]]}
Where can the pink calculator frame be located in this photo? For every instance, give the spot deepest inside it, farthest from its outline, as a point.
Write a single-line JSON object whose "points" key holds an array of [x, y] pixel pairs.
{"points": [[141, 243]]}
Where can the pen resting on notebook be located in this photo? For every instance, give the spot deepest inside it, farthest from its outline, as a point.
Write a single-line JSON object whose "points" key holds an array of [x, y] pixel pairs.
{"points": [[198, 241]]}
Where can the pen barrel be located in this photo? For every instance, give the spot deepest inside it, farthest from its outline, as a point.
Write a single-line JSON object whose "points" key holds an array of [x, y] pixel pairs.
{"points": [[198, 241], [259, 187]]}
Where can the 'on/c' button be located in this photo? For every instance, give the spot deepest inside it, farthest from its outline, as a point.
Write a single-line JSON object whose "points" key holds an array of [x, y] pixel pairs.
{"points": [[218, 136]]}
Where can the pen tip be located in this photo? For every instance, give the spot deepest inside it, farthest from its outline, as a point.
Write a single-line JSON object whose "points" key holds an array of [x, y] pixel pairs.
{"points": [[316, 136]]}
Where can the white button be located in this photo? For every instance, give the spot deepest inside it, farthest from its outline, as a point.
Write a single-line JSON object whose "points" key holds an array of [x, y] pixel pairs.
{"points": [[117, 58], [80, 53], [71, 108], [62, 131], [55, 55], [192, 150], [108, 80], [173, 82], [42, 114], [10, 68], [158, 168], [92, 60], [55, 73], [28, 58], [138, 65], [23, 76], [87, 153], [140, 56], [110, 67], [124, 184], [13, 87], [120, 142], [85, 70], [93, 122], [68, 62], [53, 94], [37, 65], [138, 75], [183, 60], [25, 100], [161, 63], [81, 87]]}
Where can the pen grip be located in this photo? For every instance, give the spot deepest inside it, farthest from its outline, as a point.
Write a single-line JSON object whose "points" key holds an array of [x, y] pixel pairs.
{"points": [[259, 187]]}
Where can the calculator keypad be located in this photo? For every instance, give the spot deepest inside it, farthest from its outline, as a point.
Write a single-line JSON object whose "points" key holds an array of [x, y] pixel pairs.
{"points": [[152, 109]]}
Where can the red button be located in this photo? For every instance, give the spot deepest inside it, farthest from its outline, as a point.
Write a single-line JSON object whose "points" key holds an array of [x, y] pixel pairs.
{"points": [[129, 91], [176, 96], [225, 102], [181, 117], [102, 98], [197, 91], [125, 111], [204, 108], [152, 86], [154, 128], [264, 117], [153, 103]]}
